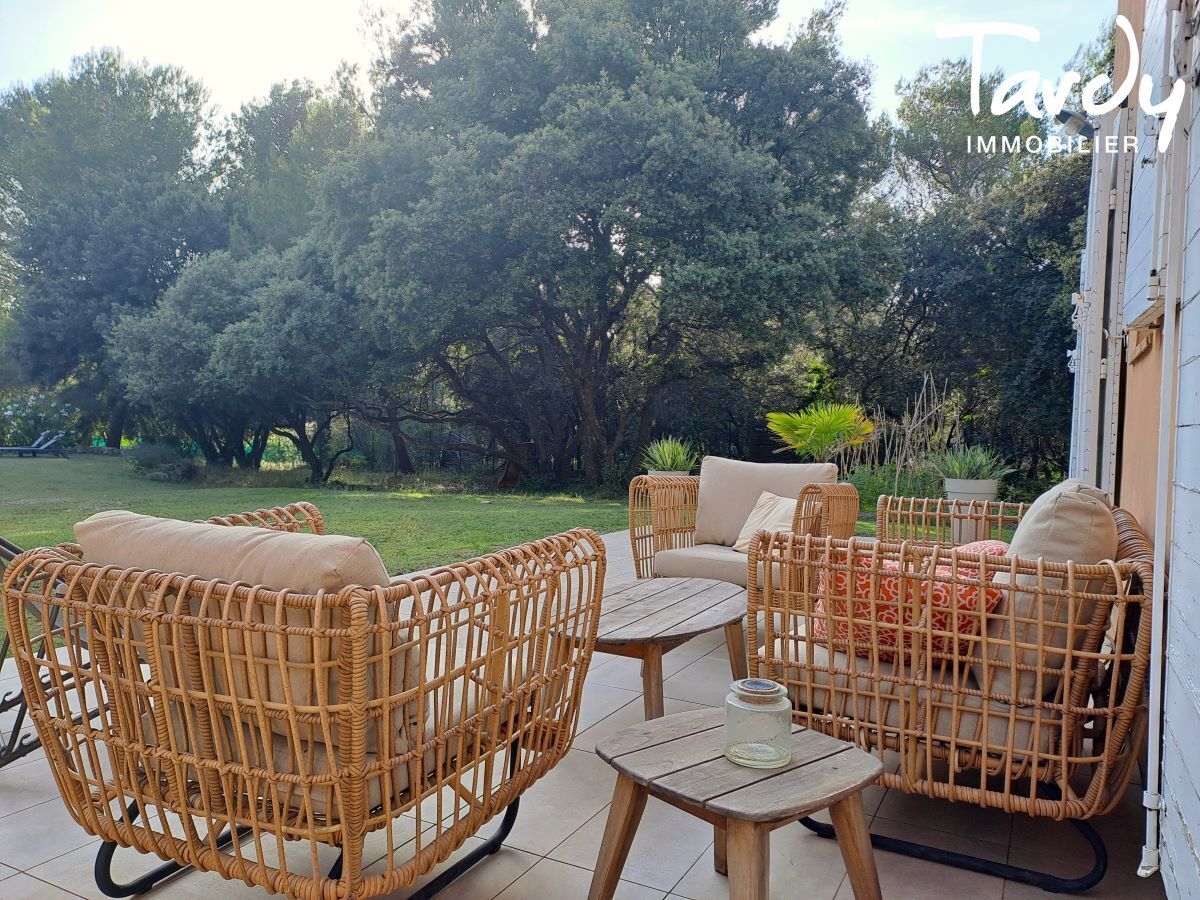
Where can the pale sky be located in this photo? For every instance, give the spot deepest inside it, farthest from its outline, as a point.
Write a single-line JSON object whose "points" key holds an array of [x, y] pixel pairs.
{"points": [[239, 48]]}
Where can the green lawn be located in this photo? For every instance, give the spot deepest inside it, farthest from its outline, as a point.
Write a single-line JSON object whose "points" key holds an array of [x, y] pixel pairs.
{"points": [[41, 499]]}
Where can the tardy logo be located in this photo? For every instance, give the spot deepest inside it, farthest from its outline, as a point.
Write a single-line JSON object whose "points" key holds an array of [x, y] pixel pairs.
{"points": [[1022, 88]]}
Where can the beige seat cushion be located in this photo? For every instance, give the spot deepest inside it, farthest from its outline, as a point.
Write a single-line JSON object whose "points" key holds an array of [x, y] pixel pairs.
{"points": [[304, 563], [729, 489], [1071, 521], [770, 513], [703, 561], [884, 703], [710, 561], [279, 754]]}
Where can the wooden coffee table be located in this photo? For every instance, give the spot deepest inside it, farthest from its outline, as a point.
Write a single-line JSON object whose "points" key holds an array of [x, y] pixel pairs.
{"points": [[679, 759], [648, 618]]}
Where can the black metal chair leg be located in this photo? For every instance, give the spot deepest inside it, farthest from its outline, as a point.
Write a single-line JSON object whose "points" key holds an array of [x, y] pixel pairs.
{"points": [[1047, 882], [487, 848], [490, 846], [104, 858]]}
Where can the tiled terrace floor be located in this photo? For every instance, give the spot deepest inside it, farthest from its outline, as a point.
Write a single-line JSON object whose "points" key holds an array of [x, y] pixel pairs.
{"points": [[549, 855]]}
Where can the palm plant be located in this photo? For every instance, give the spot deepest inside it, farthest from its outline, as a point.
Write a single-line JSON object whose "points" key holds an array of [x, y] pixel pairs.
{"points": [[821, 431], [970, 463], [670, 454]]}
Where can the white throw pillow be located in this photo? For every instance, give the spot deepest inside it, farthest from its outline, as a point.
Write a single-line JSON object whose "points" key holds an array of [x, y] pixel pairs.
{"points": [[771, 513]]}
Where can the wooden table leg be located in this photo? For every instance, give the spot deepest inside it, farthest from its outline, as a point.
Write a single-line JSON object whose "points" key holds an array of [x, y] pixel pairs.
{"points": [[629, 799], [749, 849], [720, 860], [854, 840], [652, 681], [735, 641]]}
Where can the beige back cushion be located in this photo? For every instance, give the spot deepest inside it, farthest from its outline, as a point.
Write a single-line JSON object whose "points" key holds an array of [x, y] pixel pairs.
{"points": [[1071, 521], [279, 560], [770, 513], [301, 563], [729, 489]]}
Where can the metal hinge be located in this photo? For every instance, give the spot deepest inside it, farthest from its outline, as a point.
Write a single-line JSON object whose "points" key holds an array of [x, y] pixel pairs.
{"points": [[1104, 367], [1153, 801], [1112, 199]]}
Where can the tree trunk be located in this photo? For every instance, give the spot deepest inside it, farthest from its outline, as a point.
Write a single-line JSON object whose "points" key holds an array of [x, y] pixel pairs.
{"points": [[403, 464], [591, 445], [258, 446], [116, 428]]}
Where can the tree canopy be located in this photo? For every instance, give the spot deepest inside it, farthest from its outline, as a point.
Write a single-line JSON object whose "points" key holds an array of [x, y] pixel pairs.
{"points": [[113, 202], [630, 196], [552, 232]]}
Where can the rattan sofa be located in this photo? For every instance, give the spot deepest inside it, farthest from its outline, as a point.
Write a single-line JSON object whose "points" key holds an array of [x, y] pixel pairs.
{"points": [[337, 743], [1037, 707], [685, 525]]}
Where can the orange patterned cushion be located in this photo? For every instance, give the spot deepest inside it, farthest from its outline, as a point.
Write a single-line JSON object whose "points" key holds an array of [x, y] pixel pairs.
{"points": [[943, 597]]}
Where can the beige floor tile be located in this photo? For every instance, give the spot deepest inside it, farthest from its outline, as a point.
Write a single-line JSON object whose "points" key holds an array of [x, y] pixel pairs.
{"points": [[631, 713], [802, 865], [1118, 884], [24, 786], [204, 886], [872, 799], [553, 880], [483, 881], [668, 843], [601, 700], [562, 802], [32, 836], [954, 818], [73, 873], [625, 672], [31, 757], [721, 651], [905, 878], [1055, 847], [956, 843], [6, 871], [25, 887], [706, 681]]}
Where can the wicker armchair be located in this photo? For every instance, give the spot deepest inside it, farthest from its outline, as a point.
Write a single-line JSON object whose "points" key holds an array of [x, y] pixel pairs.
{"points": [[262, 734], [1042, 713], [662, 514]]}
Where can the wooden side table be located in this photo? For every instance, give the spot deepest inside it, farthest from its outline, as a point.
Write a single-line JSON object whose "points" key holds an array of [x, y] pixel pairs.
{"points": [[679, 759], [646, 619]]}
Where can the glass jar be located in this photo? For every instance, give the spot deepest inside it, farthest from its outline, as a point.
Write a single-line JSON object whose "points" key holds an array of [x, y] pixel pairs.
{"points": [[758, 724]]}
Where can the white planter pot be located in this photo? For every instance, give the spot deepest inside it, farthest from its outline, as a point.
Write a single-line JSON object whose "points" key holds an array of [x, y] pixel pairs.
{"points": [[971, 488], [963, 529], [661, 472]]}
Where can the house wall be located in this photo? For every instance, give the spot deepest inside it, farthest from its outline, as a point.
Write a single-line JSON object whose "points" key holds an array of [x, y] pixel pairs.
{"points": [[1181, 696], [1146, 207]]}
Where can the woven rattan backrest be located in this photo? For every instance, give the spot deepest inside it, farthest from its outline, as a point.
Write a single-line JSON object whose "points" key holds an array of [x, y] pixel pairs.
{"points": [[941, 521], [191, 726], [853, 630]]}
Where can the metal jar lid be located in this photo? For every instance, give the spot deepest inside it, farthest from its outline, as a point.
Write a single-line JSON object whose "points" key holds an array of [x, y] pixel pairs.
{"points": [[758, 690]]}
